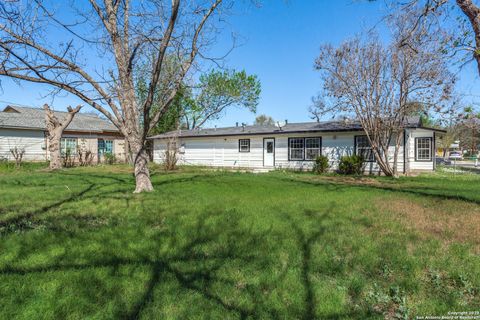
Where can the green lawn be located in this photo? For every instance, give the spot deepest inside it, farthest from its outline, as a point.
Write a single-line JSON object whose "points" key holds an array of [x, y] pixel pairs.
{"points": [[79, 244]]}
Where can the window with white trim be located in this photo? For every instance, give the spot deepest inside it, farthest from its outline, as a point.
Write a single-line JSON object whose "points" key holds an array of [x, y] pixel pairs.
{"points": [[363, 148], [295, 148], [304, 148], [312, 148], [244, 145], [423, 149], [105, 147], [68, 144]]}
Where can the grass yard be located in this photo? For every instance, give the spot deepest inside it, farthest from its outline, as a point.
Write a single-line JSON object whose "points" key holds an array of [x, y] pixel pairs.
{"points": [[216, 245]]}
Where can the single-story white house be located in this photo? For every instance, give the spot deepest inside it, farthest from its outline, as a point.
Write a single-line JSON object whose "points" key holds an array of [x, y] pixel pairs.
{"points": [[294, 146], [25, 128]]}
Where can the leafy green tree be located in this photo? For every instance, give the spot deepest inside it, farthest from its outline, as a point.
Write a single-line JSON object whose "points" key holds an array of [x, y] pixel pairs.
{"points": [[264, 120], [217, 91], [208, 99]]}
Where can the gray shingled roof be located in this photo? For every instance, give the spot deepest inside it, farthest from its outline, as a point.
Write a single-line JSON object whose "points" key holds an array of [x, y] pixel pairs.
{"points": [[34, 118], [323, 126]]}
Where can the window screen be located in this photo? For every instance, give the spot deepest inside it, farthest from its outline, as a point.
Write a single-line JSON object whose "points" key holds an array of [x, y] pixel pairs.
{"points": [[68, 144], [296, 148], [363, 148], [423, 149], [312, 148], [244, 145], [105, 146]]}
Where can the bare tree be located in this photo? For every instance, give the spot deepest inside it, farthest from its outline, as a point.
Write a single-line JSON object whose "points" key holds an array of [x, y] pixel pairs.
{"points": [[170, 155], [55, 128], [85, 155], [460, 28], [17, 153], [119, 34], [468, 129], [377, 84]]}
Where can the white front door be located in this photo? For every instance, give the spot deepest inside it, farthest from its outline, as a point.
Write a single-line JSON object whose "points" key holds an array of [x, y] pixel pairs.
{"points": [[269, 152]]}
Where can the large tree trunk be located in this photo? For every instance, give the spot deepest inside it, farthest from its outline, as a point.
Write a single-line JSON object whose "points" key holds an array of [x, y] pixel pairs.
{"points": [[55, 129], [54, 148], [142, 174], [398, 141]]}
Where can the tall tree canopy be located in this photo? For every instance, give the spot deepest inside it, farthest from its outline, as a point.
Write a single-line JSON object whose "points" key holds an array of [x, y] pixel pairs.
{"points": [[92, 51], [215, 92], [207, 99]]}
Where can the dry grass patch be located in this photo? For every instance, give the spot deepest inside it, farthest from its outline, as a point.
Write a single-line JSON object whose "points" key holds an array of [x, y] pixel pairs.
{"points": [[447, 220]]}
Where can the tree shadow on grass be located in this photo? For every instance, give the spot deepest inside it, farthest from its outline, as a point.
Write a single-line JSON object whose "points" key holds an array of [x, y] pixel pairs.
{"points": [[436, 193], [201, 252], [21, 220], [194, 264], [200, 262], [28, 220]]}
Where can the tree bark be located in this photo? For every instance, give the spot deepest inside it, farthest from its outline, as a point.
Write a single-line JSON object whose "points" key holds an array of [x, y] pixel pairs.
{"points": [[55, 130], [54, 148], [141, 171], [473, 14]]}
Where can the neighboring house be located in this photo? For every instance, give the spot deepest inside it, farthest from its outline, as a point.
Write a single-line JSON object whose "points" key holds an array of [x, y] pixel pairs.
{"points": [[294, 146], [24, 127]]}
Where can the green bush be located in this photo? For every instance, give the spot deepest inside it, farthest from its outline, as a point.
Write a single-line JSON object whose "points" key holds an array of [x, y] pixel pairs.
{"points": [[110, 158], [321, 164], [353, 164]]}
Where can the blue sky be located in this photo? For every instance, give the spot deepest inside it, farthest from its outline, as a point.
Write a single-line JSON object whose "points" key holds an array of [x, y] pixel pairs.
{"points": [[280, 41]]}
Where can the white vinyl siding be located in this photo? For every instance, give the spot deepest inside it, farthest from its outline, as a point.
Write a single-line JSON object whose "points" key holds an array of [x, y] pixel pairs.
{"points": [[291, 151], [412, 163], [32, 141]]}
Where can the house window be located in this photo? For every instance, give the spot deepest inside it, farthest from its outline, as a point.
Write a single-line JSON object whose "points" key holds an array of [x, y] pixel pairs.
{"points": [[244, 145], [296, 148], [68, 145], [105, 147], [312, 148], [423, 149], [304, 148], [363, 148]]}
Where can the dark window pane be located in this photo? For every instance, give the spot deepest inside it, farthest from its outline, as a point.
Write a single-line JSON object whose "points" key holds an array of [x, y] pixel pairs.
{"points": [[269, 147], [312, 154]]}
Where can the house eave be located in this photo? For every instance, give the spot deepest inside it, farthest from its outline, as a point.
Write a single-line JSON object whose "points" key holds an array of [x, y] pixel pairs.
{"points": [[65, 132], [278, 133]]}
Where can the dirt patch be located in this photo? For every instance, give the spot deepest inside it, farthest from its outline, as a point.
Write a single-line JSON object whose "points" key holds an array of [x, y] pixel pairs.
{"points": [[447, 220], [350, 180]]}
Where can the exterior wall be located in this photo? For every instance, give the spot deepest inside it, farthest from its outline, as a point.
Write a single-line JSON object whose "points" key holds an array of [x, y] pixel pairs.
{"points": [[223, 151], [216, 151], [32, 141], [90, 142], [119, 149], [412, 164], [36, 145]]}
